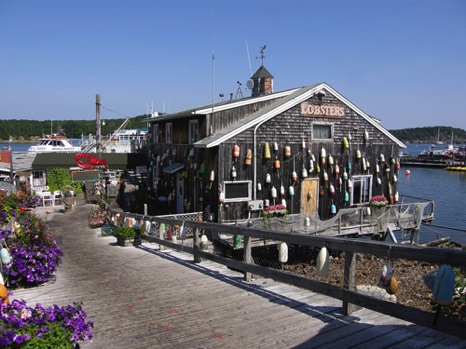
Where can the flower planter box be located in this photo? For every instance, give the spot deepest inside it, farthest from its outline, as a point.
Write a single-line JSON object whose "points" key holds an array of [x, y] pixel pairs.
{"points": [[123, 242], [129, 242]]}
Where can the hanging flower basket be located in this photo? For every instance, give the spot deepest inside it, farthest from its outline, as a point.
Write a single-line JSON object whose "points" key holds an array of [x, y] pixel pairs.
{"points": [[378, 201]]}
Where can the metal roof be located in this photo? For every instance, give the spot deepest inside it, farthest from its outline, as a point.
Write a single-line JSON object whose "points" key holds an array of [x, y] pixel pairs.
{"points": [[173, 168], [280, 106], [45, 161], [219, 106]]}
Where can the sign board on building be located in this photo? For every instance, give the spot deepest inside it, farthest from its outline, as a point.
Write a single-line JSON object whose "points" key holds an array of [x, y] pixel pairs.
{"points": [[325, 110], [85, 176], [141, 169]]}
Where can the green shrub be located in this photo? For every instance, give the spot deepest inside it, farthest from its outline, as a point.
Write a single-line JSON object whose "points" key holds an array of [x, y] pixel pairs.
{"points": [[125, 232]]}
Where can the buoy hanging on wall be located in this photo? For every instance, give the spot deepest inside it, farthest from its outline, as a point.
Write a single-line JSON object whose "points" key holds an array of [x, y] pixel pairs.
{"points": [[291, 190], [323, 155], [294, 176], [358, 154], [267, 154], [275, 146], [311, 166], [274, 192], [345, 143], [268, 179], [323, 263], [282, 190], [234, 174], [287, 151], [276, 164], [304, 173], [248, 159], [236, 151]]}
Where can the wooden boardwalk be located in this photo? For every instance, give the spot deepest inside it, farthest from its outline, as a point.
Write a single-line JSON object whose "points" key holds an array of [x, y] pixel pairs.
{"points": [[145, 298]]}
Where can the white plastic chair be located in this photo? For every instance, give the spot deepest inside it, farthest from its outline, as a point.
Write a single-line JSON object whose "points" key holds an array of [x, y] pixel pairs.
{"points": [[57, 194], [48, 197]]}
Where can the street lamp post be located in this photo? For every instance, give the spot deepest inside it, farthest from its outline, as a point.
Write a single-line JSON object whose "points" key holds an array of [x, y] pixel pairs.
{"points": [[11, 163]]}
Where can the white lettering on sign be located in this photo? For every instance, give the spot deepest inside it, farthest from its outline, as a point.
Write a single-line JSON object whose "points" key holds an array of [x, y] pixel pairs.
{"points": [[330, 110]]}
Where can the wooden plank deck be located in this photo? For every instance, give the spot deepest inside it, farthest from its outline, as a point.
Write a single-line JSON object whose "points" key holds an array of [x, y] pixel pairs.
{"points": [[146, 298]]}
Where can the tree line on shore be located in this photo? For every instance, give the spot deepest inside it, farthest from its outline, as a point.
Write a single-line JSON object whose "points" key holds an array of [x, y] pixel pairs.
{"points": [[431, 135], [31, 130]]}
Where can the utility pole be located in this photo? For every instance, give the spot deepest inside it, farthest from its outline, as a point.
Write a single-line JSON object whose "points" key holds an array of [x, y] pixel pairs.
{"points": [[97, 122], [12, 175]]}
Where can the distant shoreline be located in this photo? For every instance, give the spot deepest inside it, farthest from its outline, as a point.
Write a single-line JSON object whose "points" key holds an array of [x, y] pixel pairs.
{"points": [[18, 141]]}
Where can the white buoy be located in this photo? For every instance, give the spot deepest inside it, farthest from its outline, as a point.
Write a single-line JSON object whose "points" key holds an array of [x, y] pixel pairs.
{"points": [[323, 263], [282, 252]]}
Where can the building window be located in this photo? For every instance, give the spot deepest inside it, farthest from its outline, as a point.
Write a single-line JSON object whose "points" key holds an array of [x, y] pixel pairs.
{"points": [[155, 133], [362, 190], [193, 131], [168, 133], [321, 131]]}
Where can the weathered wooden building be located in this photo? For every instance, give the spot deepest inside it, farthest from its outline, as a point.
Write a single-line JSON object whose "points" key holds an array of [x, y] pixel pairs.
{"points": [[308, 148]]}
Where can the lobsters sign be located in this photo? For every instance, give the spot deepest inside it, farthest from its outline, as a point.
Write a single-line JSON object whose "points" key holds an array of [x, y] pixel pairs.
{"points": [[327, 110]]}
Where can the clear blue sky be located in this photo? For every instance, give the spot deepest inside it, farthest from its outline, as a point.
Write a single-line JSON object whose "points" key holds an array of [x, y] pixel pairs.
{"points": [[402, 61]]}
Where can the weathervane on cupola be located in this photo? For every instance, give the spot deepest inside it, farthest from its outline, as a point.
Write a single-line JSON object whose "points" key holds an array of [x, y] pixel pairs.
{"points": [[262, 54], [261, 83]]}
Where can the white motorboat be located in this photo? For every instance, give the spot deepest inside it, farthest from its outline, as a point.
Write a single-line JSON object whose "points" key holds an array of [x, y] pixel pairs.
{"points": [[121, 141], [54, 144]]}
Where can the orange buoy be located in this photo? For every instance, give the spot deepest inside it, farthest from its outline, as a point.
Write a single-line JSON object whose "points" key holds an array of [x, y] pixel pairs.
{"points": [[4, 295], [407, 172]]}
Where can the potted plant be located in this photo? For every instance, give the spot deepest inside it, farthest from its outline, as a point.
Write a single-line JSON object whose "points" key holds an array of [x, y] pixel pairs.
{"points": [[137, 237], [274, 211], [124, 234], [378, 204]]}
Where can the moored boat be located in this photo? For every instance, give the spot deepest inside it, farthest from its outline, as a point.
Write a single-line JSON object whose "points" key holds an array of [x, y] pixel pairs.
{"points": [[461, 168], [54, 144]]}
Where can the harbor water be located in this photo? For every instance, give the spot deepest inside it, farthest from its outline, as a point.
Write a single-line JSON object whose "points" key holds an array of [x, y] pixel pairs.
{"points": [[446, 188]]}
